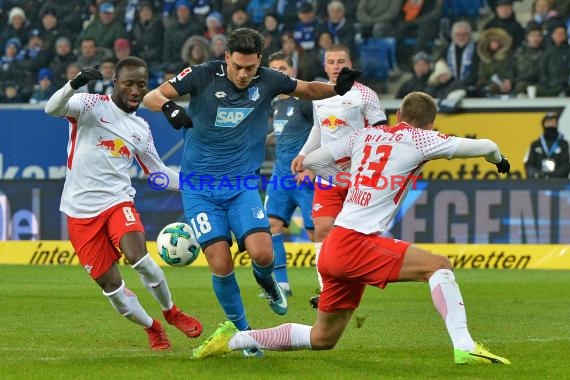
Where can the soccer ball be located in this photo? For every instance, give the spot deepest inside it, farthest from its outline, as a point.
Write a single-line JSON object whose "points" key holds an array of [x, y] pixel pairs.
{"points": [[177, 245]]}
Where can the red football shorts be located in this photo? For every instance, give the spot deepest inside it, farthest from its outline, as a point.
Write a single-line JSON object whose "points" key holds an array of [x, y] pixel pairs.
{"points": [[350, 260], [96, 240], [328, 200]]}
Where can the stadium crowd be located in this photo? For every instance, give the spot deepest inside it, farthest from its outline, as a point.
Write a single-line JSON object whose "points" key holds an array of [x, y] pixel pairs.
{"points": [[450, 49]]}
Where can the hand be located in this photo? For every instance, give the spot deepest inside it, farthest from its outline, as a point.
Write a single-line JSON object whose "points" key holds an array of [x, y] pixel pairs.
{"points": [[305, 176], [297, 164], [345, 80], [503, 166], [84, 76], [176, 115]]}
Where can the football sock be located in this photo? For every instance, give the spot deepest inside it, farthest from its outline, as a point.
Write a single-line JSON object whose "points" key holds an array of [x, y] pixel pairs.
{"points": [[448, 302], [228, 294], [317, 253], [127, 304], [280, 268], [286, 337], [153, 278], [263, 275]]}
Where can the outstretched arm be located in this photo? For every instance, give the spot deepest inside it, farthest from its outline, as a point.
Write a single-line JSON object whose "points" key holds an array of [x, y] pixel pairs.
{"points": [[483, 148], [159, 99], [318, 90], [57, 105]]}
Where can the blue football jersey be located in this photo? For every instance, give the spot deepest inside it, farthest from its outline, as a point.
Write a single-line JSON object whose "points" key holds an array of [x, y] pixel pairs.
{"points": [[292, 123], [230, 124]]}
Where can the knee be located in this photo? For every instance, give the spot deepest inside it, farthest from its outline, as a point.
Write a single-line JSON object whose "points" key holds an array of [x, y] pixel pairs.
{"points": [[276, 226], [323, 340], [438, 263]]}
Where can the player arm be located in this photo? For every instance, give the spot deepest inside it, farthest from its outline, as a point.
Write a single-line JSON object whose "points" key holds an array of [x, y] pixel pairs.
{"points": [[313, 141], [159, 174], [322, 163], [156, 98], [478, 148], [313, 90], [58, 103]]}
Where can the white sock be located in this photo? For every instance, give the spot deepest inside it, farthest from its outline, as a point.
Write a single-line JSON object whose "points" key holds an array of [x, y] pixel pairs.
{"points": [[286, 337], [285, 286], [448, 302], [127, 304], [153, 278], [317, 253]]}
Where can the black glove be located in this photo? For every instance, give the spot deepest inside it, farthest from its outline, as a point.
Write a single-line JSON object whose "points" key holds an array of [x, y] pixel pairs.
{"points": [[345, 80], [503, 166], [176, 115], [84, 76]]}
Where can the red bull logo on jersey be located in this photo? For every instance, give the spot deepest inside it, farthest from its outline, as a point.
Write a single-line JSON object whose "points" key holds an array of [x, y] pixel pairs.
{"points": [[333, 123], [231, 117], [116, 147]]}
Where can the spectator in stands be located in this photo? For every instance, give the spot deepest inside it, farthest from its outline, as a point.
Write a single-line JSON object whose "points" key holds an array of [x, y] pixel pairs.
{"points": [[495, 62], [50, 30], [121, 48], [324, 41], [196, 50], [11, 70], [458, 10], [461, 59], [349, 7], [203, 8], [305, 64], [10, 93], [105, 28], [175, 35], [505, 18], [214, 25], [562, 8], [147, 36], [90, 54], [33, 56], [307, 26], [340, 28], [70, 14], [257, 10], [239, 19], [62, 58], [45, 87], [422, 68], [71, 72], [105, 85], [288, 12], [548, 156], [272, 26], [378, 18], [527, 61], [544, 14], [418, 28], [554, 70], [218, 46], [17, 27]]}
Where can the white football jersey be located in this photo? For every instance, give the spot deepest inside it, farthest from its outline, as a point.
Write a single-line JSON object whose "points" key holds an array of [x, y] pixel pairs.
{"points": [[103, 141], [340, 115], [385, 162]]}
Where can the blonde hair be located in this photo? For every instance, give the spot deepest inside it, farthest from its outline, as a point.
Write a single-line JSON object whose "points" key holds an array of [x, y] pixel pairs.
{"points": [[418, 109]]}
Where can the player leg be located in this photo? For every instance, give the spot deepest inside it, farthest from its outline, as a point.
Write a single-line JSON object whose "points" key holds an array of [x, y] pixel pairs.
{"points": [[421, 265], [98, 256], [204, 211], [127, 231], [280, 205], [251, 227], [327, 204]]}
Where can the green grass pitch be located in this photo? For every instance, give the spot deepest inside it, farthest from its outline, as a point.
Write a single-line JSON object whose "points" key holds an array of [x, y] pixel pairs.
{"points": [[55, 324]]}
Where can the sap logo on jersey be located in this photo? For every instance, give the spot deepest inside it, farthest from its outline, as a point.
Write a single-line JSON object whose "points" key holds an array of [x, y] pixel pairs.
{"points": [[231, 117]]}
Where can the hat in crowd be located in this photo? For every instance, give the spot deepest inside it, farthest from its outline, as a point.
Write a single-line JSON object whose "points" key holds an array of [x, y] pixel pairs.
{"points": [[49, 11], [306, 7], [215, 16], [183, 3], [146, 4], [16, 11], [107, 8], [122, 43], [504, 2], [422, 56], [13, 41], [45, 73], [550, 115], [35, 33]]}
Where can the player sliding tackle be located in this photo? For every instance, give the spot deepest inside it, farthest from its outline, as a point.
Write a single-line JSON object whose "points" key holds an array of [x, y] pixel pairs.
{"points": [[355, 253]]}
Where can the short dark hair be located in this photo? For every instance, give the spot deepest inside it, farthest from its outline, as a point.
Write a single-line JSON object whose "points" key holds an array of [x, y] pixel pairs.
{"points": [[130, 61], [280, 56], [245, 41]]}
